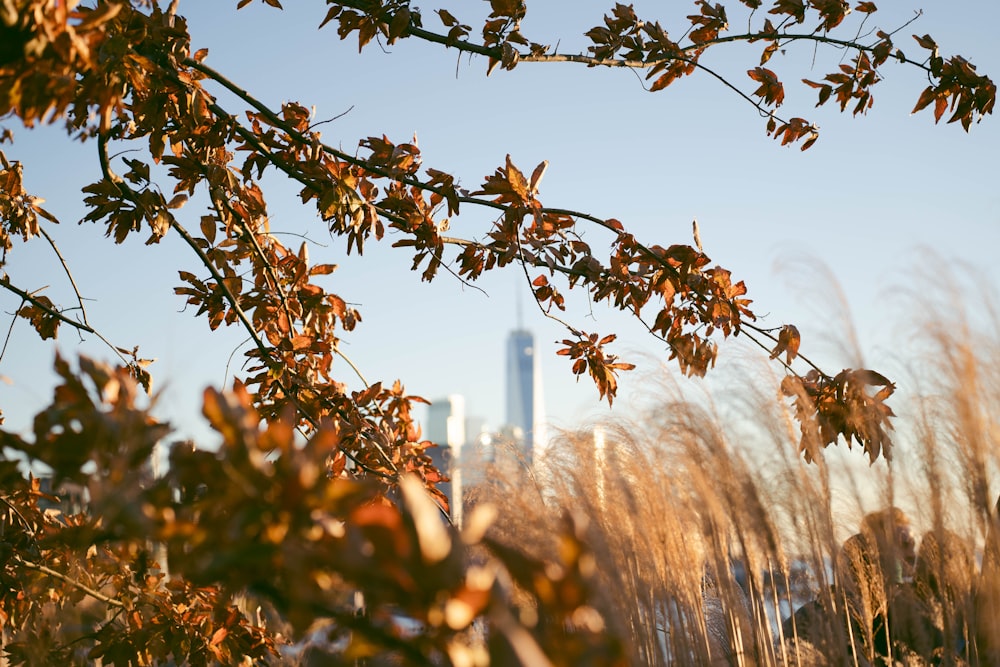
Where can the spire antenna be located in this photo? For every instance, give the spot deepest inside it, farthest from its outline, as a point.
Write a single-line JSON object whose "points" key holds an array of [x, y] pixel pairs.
{"points": [[519, 309]]}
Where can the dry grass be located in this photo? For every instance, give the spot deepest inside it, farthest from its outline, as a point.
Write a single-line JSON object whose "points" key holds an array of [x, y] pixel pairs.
{"points": [[673, 502]]}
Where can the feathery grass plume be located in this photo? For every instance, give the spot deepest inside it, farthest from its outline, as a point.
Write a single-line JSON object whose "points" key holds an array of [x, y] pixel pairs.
{"points": [[716, 544]]}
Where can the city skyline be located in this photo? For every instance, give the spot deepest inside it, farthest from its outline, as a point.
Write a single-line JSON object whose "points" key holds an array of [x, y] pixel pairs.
{"points": [[453, 430], [448, 422]]}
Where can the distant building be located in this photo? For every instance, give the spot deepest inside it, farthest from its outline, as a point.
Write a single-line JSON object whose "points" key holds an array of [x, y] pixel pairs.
{"points": [[446, 421], [446, 429], [71, 497], [525, 406], [468, 449]]}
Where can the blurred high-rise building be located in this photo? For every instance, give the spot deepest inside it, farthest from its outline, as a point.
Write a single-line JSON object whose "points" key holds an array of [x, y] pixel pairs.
{"points": [[446, 421], [525, 406], [446, 429]]}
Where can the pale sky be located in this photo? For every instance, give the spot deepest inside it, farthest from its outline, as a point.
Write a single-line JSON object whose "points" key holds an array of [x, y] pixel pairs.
{"points": [[866, 200]]}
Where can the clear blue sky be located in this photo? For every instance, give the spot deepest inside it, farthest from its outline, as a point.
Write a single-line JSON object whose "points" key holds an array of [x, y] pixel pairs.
{"points": [[871, 195]]}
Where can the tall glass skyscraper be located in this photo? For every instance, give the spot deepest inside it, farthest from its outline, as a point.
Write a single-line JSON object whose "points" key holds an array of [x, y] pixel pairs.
{"points": [[525, 408]]}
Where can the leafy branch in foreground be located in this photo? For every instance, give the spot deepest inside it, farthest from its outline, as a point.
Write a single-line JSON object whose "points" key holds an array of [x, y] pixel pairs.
{"points": [[148, 89], [260, 521], [626, 40]]}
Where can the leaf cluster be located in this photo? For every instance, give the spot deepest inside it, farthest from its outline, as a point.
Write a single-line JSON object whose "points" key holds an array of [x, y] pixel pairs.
{"points": [[844, 405], [267, 518]]}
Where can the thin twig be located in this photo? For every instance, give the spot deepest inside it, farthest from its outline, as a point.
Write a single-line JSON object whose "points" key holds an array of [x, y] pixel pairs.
{"points": [[6, 284], [229, 361], [24, 522], [69, 274], [765, 332], [80, 326], [330, 120], [79, 298], [524, 268], [10, 331], [55, 574]]}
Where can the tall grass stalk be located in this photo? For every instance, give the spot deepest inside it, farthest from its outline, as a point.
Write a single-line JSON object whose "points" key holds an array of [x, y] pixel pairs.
{"points": [[709, 529]]}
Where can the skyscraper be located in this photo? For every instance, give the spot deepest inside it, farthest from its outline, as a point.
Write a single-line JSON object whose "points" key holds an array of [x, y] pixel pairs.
{"points": [[525, 407], [446, 428], [446, 421]]}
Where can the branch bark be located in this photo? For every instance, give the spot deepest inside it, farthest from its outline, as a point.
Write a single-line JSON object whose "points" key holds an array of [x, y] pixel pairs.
{"points": [[55, 574], [27, 296]]}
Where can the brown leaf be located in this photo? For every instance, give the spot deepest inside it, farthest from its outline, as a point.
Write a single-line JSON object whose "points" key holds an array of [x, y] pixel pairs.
{"points": [[771, 88], [926, 42], [399, 25], [177, 201], [518, 183], [769, 51], [447, 18], [788, 342], [537, 174]]}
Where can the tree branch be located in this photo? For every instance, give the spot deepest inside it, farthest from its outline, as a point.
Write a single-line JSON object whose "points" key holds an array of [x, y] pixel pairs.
{"points": [[79, 298], [6, 284], [592, 61], [55, 574], [231, 299], [680, 55]]}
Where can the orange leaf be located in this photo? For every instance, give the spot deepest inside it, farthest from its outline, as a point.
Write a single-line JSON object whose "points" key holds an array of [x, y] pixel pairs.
{"points": [[788, 342], [518, 183], [926, 98], [536, 175]]}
